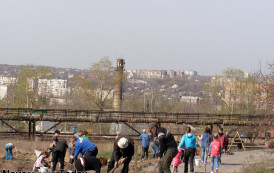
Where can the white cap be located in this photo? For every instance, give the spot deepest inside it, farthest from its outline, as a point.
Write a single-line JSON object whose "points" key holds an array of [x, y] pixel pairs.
{"points": [[144, 130], [123, 142]]}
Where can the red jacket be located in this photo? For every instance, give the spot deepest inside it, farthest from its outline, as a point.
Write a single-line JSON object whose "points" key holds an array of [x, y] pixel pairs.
{"points": [[215, 148]]}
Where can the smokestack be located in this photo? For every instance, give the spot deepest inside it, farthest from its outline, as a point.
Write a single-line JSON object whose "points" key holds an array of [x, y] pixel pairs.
{"points": [[117, 98]]}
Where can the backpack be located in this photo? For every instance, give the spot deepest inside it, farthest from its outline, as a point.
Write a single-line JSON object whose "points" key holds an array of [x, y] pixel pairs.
{"points": [[223, 140], [207, 138]]}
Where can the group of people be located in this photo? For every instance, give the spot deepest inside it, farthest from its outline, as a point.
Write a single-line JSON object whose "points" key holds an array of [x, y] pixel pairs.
{"points": [[79, 144], [172, 155], [165, 149]]}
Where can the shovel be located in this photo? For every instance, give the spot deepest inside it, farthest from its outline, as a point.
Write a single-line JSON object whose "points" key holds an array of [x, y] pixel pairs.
{"points": [[112, 171]]}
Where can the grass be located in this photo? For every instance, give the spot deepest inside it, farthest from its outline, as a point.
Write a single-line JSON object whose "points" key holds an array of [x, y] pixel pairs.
{"points": [[262, 167]]}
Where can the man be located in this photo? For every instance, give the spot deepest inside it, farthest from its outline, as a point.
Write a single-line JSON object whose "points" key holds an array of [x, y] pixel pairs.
{"points": [[90, 164], [58, 153], [168, 145], [145, 144], [83, 146], [53, 144], [123, 147], [223, 140], [9, 147]]}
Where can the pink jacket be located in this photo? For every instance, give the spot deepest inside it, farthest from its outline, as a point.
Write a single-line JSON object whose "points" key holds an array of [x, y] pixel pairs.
{"points": [[215, 148], [176, 160]]}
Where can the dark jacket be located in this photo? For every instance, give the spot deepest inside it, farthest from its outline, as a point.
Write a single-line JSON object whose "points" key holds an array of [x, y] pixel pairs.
{"points": [[60, 146], [92, 163], [166, 140], [127, 152]]}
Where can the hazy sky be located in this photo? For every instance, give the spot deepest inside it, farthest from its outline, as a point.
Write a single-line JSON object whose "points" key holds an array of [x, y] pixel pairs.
{"points": [[203, 35]]}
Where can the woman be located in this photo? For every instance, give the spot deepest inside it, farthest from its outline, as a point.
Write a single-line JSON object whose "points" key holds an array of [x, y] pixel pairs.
{"points": [[206, 139], [189, 143]]}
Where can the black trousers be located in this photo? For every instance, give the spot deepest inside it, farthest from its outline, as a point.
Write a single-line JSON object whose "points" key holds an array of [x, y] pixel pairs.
{"points": [[112, 162], [189, 156], [144, 152], [58, 156], [91, 153]]}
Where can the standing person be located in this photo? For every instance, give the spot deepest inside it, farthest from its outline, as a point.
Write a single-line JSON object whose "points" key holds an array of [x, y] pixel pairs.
{"points": [[155, 146], [215, 152], [145, 144], [189, 143], [168, 145], [223, 140], [206, 138], [85, 133], [123, 147], [227, 142], [90, 163], [53, 144], [83, 146], [9, 147], [59, 152]]}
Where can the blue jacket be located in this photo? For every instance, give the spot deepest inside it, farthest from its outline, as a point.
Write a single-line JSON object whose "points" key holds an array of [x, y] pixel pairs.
{"points": [[188, 141], [206, 140], [82, 146], [145, 140]]}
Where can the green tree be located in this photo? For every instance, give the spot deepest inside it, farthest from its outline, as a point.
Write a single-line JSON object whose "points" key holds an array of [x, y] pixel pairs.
{"points": [[99, 87]]}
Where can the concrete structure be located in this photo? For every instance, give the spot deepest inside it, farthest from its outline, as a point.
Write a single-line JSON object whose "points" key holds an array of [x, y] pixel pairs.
{"points": [[3, 91], [117, 97], [190, 99], [190, 73], [55, 87]]}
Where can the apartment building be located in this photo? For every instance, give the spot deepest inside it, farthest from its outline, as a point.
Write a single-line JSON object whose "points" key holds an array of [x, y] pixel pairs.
{"points": [[55, 87]]}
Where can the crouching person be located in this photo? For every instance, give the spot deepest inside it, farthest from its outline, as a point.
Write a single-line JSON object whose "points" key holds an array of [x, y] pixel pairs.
{"points": [[41, 162], [123, 147], [59, 152], [90, 163]]}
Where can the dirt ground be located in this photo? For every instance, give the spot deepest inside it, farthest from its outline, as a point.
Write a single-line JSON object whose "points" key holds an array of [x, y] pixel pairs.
{"points": [[26, 157]]}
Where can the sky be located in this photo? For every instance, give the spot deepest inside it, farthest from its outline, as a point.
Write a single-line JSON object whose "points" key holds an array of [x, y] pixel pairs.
{"points": [[206, 36]]}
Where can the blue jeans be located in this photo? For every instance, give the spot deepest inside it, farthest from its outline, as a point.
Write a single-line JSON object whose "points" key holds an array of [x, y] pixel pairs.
{"points": [[204, 154], [8, 152], [214, 160], [155, 148]]}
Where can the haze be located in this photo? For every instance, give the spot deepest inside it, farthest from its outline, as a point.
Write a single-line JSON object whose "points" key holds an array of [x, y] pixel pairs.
{"points": [[206, 36]]}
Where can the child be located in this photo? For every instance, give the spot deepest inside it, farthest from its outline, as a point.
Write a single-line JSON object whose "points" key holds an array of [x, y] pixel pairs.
{"points": [[177, 160], [40, 162], [215, 152], [8, 148]]}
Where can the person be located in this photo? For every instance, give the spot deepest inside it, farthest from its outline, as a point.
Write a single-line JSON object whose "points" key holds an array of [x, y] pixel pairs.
{"points": [[189, 143], [168, 145], [239, 143], [59, 152], [55, 137], [85, 133], [84, 146], [53, 144], [41, 162], [176, 161], [9, 147], [223, 140], [206, 139], [123, 147], [145, 144], [78, 134], [215, 152], [155, 146], [227, 142], [90, 163]]}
